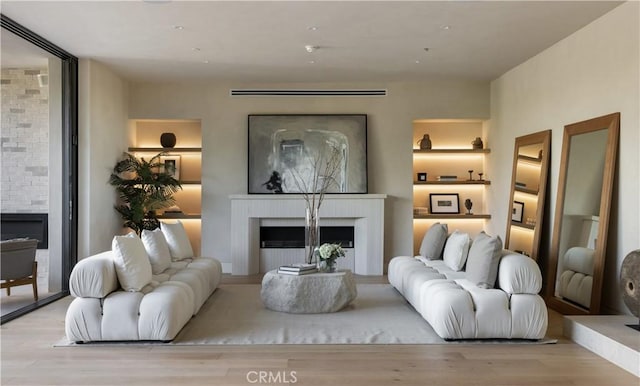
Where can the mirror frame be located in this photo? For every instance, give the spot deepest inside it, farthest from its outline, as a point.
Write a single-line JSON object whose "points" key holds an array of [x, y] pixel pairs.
{"points": [[611, 123], [544, 138]]}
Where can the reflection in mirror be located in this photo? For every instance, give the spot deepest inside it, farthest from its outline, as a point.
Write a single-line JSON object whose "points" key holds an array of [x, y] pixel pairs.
{"points": [[582, 215], [528, 188]]}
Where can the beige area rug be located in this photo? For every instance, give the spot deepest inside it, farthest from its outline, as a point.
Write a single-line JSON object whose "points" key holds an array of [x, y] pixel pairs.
{"points": [[234, 315]]}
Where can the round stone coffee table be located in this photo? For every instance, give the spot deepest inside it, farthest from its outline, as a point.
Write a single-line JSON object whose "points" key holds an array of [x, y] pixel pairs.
{"points": [[312, 293]]}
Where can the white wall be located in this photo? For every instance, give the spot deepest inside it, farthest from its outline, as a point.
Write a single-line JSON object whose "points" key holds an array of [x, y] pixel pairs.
{"points": [[390, 134], [102, 137], [591, 73]]}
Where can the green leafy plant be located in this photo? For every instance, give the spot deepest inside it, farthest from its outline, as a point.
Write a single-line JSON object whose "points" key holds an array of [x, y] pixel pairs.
{"points": [[143, 187]]}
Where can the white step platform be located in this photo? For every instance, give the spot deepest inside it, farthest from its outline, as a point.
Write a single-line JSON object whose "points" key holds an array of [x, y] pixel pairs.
{"points": [[607, 336]]}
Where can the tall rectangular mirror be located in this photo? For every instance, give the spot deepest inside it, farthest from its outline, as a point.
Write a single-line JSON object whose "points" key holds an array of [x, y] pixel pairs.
{"points": [[581, 224], [528, 191]]}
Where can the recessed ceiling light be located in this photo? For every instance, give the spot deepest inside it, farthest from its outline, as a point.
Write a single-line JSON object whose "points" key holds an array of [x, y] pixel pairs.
{"points": [[205, 61], [446, 27], [312, 62], [196, 49], [310, 48], [178, 27], [313, 28], [426, 49]]}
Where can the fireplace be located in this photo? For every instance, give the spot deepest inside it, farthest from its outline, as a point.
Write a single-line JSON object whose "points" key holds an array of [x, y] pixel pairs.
{"points": [[31, 225], [293, 236], [364, 213]]}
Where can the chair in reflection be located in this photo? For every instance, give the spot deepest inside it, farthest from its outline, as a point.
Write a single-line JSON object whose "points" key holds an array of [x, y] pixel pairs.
{"points": [[18, 264], [576, 280]]}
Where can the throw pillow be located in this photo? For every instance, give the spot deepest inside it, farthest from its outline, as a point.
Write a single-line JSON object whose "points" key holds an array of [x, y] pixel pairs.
{"points": [[131, 262], [456, 250], [433, 241], [158, 250], [177, 239], [482, 263]]}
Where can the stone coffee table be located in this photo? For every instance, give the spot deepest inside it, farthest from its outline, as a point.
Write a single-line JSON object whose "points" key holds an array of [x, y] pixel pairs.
{"points": [[312, 293]]}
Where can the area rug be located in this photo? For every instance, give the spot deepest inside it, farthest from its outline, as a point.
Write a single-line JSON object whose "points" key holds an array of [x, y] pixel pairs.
{"points": [[234, 315]]}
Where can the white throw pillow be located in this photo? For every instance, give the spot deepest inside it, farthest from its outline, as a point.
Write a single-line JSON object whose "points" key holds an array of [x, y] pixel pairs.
{"points": [[131, 262], [433, 241], [177, 240], [158, 250], [483, 260], [456, 250]]}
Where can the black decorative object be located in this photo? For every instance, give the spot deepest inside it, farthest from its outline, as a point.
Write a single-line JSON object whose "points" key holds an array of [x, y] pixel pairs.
{"points": [[477, 143], [468, 204], [425, 142], [168, 140], [422, 177]]}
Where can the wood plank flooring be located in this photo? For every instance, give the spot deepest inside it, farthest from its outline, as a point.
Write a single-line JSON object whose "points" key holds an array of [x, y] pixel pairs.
{"points": [[28, 358]]}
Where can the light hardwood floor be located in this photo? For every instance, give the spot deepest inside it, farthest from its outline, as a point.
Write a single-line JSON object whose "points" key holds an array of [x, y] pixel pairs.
{"points": [[28, 358]]}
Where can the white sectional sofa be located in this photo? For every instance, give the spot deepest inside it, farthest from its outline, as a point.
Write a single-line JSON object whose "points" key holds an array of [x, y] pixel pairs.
{"points": [[460, 306], [120, 297]]}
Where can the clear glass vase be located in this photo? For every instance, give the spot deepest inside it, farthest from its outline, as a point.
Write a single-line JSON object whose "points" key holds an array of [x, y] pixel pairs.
{"points": [[311, 236]]}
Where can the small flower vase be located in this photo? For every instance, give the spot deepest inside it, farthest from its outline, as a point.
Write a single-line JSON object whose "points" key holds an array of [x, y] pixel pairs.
{"points": [[311, 236], [327, 265]]}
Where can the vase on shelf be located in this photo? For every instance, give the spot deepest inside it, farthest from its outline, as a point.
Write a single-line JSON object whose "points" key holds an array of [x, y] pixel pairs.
{"points": [[168, 140], [311, 236]]}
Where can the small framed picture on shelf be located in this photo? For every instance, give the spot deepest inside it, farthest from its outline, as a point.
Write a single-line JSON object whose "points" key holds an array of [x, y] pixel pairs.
{"points": [[171, 165], [517, 211], [444, 203], [422, 177]]}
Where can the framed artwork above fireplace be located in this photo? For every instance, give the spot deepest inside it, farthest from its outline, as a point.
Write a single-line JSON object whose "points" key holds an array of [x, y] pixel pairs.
{"points": [[284, 147]]}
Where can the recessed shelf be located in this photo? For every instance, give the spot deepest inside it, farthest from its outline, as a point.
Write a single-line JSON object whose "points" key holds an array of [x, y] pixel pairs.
{"points": [[519, 225], [452, 216], [525, 190], [451, 151], [528, 159], [190, 182], [165, 149], [179, 216], [460, 182]]}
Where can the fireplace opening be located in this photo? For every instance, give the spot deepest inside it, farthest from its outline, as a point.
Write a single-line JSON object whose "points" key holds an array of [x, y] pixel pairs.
{"points": [[293, 236], [31, 225]]}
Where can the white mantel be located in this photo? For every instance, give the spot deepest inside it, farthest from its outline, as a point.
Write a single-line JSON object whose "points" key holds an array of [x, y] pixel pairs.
{"points": [[249, 211]]}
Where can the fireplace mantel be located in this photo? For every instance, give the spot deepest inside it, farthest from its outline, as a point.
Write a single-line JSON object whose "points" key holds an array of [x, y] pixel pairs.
{"points": [[249, 211]]}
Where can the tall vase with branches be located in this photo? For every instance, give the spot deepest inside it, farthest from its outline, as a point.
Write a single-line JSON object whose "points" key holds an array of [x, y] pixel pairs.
{"points": [[314, 178], [143, 187]]}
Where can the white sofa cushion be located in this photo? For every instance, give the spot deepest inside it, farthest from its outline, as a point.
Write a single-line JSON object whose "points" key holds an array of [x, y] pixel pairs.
{"points": [[158, 250], [519, 274], [579, 259], [433, 241], [131, 262], [95, 277], [177, 239], [456, 250], [483, 260]]}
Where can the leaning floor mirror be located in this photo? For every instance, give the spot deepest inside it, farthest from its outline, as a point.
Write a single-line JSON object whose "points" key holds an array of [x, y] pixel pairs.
{"points": [[581, 224], [528, 191]]}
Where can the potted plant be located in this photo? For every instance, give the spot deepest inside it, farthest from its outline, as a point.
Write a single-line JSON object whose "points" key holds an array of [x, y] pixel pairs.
{"points": [[328, 254], [143, 187]]}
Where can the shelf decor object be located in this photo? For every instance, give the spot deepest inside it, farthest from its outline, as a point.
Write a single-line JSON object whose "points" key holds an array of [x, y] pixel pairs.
{"points": [[168, 140], [445, 203], [517, 211], [422, 177]]}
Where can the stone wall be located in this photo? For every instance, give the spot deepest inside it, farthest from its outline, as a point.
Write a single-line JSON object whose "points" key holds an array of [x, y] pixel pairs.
{"points": [[25, 142]]}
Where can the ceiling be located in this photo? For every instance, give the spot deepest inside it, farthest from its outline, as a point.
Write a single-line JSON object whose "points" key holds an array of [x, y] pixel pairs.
{"points": [[264, 41]]}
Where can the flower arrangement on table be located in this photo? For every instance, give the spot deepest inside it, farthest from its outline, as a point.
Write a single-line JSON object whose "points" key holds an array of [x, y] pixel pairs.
{"points": [[328, 254]]}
